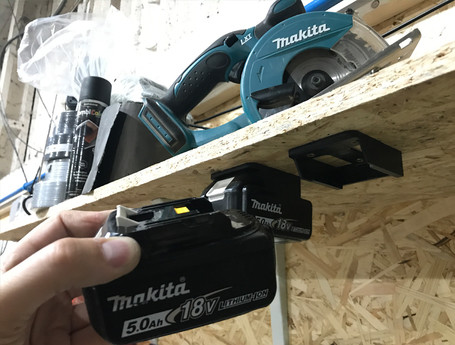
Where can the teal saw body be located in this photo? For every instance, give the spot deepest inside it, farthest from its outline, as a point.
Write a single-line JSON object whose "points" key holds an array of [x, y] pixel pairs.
{"points": [[285, 60], [300, 57]]}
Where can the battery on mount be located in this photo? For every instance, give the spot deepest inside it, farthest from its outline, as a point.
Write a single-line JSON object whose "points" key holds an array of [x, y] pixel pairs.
{"points": [[271, 195], [198, 266]]}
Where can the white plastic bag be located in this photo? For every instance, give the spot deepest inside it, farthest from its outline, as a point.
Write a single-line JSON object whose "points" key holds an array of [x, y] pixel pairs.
{"points": [[57, 53]]}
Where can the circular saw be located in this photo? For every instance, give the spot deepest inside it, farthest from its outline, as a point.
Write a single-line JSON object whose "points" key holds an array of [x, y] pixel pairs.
{"points": [[288, 58], [308, 55]]}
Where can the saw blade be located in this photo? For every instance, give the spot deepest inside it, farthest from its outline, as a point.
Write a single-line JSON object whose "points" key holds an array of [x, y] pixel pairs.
{"points": [[308, 68], [356, 47]]}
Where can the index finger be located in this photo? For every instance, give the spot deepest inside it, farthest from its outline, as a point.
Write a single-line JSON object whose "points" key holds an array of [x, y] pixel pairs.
{"points": [[65, 224]]}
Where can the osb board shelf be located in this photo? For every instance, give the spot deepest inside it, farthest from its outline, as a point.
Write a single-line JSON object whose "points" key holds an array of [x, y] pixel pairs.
{"points": [[408, 106]]}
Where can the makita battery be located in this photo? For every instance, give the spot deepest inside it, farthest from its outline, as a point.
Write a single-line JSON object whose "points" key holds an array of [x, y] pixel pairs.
{"points": [[198, 266], [271, 195]]}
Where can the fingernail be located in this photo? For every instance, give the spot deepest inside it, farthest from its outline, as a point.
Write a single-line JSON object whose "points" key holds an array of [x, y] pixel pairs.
{"points": [[119, 251]]}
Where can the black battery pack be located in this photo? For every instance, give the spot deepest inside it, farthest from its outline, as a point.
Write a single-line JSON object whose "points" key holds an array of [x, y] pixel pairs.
{"points": [[271, 195], [197, 266]]}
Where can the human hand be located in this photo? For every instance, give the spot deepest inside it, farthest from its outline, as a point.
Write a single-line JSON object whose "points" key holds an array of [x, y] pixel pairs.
{"points": [[48, 268]]}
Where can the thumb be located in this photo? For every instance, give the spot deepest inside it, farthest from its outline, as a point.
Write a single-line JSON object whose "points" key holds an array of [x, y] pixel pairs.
{"points": [[63, 265]]}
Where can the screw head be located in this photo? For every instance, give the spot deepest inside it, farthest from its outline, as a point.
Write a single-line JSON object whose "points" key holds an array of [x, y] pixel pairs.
{"points": [[375, 3]]}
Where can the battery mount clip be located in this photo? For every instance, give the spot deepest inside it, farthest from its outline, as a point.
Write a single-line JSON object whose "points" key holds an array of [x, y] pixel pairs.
{"points": [[345, 158]]}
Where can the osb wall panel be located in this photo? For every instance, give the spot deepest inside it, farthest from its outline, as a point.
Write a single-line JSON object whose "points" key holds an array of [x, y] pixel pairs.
{"points": [[391, 283], [377, 276], [252, 329]]}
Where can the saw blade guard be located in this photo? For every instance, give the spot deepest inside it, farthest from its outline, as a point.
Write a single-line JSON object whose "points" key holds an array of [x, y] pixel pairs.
{"points": [[300, 57]]}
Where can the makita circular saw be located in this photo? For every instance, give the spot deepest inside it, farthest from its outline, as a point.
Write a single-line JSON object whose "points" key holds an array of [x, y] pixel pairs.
{"points": [[286, 59]]}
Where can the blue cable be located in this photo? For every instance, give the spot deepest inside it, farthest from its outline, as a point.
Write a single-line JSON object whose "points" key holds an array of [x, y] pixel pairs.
{"points": [[26, 186]]}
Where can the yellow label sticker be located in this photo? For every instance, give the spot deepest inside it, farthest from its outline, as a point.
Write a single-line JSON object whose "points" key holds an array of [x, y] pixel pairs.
{"points": [[180, 210]]}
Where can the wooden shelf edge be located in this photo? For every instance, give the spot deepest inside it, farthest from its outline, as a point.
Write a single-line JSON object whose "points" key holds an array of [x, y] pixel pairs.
{"points": [[393, 105]]}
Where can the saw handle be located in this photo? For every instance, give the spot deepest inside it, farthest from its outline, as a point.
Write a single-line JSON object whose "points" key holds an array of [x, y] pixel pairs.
{"points": [[279, 11], [209, 69], [223, 61]]}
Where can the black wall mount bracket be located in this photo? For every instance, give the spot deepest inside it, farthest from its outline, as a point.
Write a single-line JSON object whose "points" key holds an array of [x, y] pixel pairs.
{"points": [[345, 158]]}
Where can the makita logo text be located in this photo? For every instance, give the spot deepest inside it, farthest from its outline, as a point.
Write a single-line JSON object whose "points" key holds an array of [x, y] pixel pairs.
{"points": [[274, 208], [302, 35], [164, 292]]}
